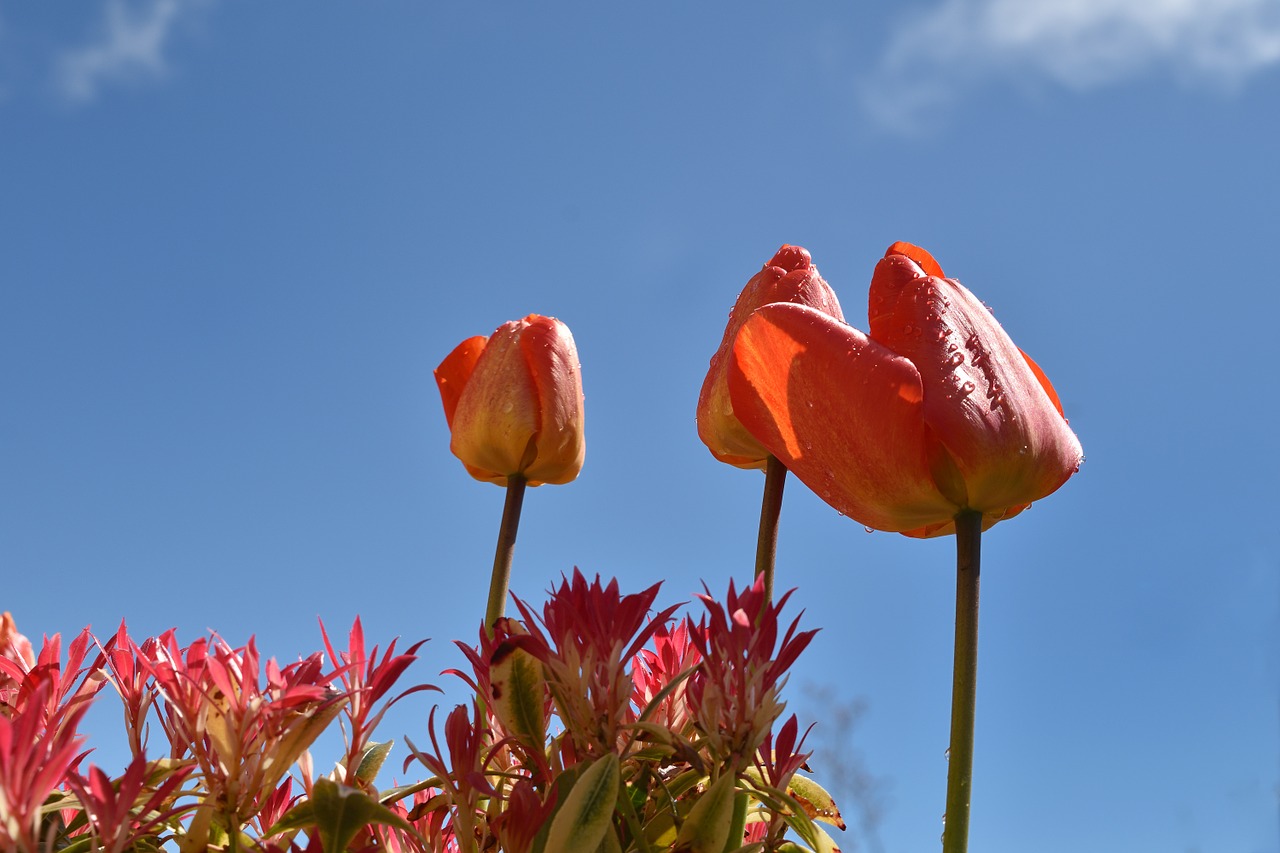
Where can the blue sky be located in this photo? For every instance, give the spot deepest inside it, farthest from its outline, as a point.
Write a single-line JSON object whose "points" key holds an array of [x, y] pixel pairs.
{"points": [[235, 239]]}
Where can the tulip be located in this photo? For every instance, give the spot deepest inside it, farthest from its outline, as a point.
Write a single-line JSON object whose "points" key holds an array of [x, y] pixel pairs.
{"points": [[935, 423], [790, 276], [513, 402], [934, 413]]}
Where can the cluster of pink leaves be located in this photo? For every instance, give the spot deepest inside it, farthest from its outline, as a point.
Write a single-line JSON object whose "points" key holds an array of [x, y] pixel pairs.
{"points": [[235, 725], [679, 704], [595, 676]]}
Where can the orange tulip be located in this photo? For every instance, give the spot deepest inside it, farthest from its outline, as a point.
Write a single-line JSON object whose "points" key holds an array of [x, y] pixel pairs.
{"points": [[935, 412], [790, 276], [513, 402]]}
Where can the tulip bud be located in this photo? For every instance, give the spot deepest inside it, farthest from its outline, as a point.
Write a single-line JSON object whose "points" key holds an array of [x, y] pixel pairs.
{"points": [[514, 403], [790, 276]]}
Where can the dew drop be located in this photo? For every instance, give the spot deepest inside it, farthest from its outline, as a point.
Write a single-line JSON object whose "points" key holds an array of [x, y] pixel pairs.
{"points": [[507, 407], [946, 755], [967, 388], [868, 529]]}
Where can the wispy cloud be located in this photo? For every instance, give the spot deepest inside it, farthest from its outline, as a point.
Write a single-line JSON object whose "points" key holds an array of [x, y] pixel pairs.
{"points": [[933, 57], [130, 46]]}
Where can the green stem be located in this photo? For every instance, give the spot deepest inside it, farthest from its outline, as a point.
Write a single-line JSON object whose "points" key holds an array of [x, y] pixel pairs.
{"points": [[500, 582], [775, 479], [964, 683]]}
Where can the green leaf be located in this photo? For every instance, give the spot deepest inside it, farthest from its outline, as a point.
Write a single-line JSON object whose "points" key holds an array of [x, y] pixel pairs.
{"points": [[706, 829], [795, 813], [518, 689], [338, 812], [587, 814], [815, 800], [812, 834], [82, 844], [372, 760], [609, 844], [394, 795]]}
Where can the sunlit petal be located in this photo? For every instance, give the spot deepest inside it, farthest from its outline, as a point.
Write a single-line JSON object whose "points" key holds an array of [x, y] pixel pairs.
{"points": [[842, 412]]}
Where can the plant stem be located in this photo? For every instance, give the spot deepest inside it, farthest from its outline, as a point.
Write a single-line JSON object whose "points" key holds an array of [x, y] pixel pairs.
{"points": [[775, 479], [964, 683], [501, 578]]}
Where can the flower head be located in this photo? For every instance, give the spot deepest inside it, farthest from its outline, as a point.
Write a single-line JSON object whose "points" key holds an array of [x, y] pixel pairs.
{"points": [[513, 402], [40, 710], [592, 632], [734, 692], [790, 276], [653, 671], [243, 735], [935, 412]]}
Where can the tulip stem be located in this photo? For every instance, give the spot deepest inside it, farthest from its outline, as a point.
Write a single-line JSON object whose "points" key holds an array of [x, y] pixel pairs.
{"points": [[964, 683], [500, 582], [775, 479]]}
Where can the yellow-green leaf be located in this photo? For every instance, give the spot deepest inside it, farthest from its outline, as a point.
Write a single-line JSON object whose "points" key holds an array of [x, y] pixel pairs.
{"points": [[706, 829], [587, 814], [372, 760], [815, 800], [517, 687], [338, 812]]}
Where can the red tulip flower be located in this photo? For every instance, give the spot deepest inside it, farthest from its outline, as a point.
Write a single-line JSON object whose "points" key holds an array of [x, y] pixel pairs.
{"points": [[514, 403], [790, 276], [934, 413]]}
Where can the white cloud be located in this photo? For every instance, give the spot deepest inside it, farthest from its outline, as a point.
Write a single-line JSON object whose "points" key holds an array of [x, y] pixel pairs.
{"points": [[931, 58], [130, 47]]}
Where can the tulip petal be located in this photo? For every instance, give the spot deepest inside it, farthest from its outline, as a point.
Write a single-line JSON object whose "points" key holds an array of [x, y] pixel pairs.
{"points": [[984, 402], [842, 412], [790, 276], [1044, 382], [496, 417], [919, 255], [551, 359], [455, 370]]}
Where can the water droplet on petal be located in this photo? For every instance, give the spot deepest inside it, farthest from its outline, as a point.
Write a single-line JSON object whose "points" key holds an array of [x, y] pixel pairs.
{"points": [[869, 529]]}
